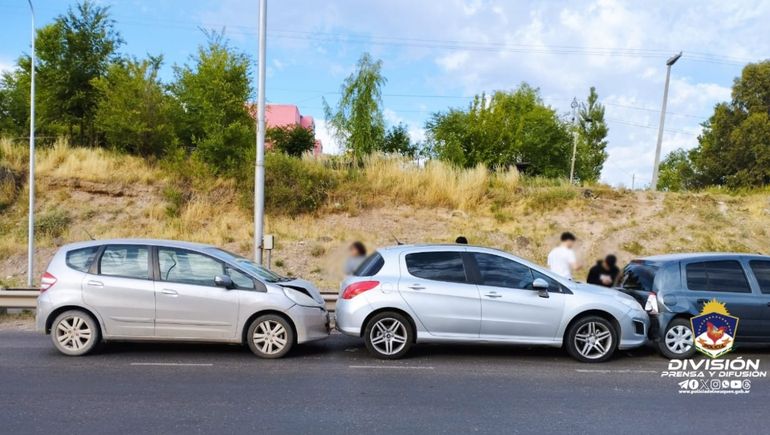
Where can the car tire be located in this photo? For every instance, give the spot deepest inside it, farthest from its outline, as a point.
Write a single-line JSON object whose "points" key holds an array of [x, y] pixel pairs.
{"points": [[592, 339], [270, 336], [388, 335], [677, 341], [75, 333]]}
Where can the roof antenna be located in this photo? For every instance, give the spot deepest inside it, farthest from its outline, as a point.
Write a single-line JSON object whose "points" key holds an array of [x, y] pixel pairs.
{"points": [[398, 242], [89, 234]]}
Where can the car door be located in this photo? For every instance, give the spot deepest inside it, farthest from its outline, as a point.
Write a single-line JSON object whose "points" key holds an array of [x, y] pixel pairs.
{"points": [[725, 281], [435, 286], [760, 270], [188, 303], [119, 287], [510, 307]]}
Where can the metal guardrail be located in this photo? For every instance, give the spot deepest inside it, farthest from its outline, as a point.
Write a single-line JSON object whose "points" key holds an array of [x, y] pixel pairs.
{"points": [[27, 298]]}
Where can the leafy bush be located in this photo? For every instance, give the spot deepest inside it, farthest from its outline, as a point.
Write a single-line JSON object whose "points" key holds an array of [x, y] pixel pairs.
{"points": [[52, 223], [294, 186]]}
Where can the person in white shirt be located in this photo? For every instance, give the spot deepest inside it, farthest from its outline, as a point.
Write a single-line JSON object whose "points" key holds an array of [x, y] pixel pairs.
{"points": [[561, 259]]}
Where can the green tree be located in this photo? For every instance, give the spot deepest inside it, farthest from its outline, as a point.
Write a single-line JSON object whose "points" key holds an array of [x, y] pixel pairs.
{"points": [[134, 113], [591, 139], [675, 172], [357, 121], [212, 93], [501, 130], [72, 53], [14, 100], [397, 141], [293, 140]]}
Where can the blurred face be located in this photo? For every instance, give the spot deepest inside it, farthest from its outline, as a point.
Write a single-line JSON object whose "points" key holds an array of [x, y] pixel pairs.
{"points": [[568, 243], [353, 251]]}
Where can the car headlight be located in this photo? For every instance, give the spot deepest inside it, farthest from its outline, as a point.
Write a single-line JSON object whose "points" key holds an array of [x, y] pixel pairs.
{"points": [[299, 297]]}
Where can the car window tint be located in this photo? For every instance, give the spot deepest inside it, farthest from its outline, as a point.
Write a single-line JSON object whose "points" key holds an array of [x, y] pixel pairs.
{"points": [[81, 259], [370, 266], [761, 271], [240, 279], [638, 276], [130, 261], [498, 271], [188, 267], [717, 276], [438, 266]]}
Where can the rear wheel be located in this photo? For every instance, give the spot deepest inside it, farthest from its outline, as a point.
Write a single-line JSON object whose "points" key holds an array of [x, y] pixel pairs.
{"points": [[270, 336], [592, 339], [75, 333], [677, 340], [388, 335]]}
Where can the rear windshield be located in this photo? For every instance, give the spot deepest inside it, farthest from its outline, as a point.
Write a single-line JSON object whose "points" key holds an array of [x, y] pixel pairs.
{"points": [[638, 276], [81, 259], [370, 266]]}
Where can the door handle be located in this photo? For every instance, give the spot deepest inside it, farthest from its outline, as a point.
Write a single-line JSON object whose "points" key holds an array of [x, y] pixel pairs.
{"points": [[93, 283], [493, 295], [416, 287], [170, 292]]}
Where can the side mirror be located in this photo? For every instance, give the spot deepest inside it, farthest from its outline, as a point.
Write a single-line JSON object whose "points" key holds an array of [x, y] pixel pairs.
{"points": [[224, 281], [541, 286]]}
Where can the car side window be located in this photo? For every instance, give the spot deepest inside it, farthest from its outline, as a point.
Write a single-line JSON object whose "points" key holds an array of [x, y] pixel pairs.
{"points": [[761, 270], [188, 267], [240, 279], [499, 271], [127, 261], [553, 285], [81, 259], [437, 266], [717, 276]]}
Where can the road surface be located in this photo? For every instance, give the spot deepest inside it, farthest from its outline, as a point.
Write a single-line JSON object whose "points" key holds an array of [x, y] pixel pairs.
{"points": [[335, 387]]}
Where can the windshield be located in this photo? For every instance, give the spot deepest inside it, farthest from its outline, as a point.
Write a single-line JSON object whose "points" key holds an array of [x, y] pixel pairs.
{"points": [[638, 276], [249, 266]]}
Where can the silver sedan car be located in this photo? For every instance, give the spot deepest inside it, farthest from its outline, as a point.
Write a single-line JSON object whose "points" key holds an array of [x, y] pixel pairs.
{"points": [[164, 290], [458, 293]]}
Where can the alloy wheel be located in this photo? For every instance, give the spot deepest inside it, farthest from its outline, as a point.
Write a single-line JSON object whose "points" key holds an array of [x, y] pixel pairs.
{"points": [[593, 340], [73, 333], [270, 337], [679, 339], [388, 336]]}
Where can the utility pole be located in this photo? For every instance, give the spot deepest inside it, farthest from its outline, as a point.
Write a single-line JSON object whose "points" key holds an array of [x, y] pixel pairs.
{"points": [[31, 184], [633, 181], [259, 173], [671, 61], [574, 106]]}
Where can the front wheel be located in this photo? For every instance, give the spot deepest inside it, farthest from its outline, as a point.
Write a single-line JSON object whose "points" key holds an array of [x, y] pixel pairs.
{"points": [[270, 336], [388, 335], [592, 339], [677, 340]]}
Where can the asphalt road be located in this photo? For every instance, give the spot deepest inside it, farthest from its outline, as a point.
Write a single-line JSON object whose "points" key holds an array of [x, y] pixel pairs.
{"points": [[335, 387]]}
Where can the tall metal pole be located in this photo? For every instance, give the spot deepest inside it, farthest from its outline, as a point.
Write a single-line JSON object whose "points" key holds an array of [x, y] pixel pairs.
{"points": [[259, 175], [31, 222], [574, 106], [671, 61]]}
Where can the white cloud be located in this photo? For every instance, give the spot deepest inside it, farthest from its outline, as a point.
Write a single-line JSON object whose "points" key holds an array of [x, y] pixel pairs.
{"points": [[328, 141]]}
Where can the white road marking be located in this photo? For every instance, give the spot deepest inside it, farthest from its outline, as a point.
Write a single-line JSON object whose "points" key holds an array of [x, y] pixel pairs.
{"points": [[171, 364], [614, 371], [393, 367]]}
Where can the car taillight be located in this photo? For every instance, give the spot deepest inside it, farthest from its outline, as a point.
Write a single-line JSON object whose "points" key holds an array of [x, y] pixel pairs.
{"points": [[47, 281], [357, 288], [651, 306]]}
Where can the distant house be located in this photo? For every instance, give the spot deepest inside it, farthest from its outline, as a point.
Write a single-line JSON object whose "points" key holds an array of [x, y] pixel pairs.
{"points": [[287, 115]]}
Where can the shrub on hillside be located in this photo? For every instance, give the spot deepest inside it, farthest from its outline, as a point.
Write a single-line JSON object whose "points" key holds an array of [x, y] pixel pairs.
{"points": [[52, 223], [294, 186]]}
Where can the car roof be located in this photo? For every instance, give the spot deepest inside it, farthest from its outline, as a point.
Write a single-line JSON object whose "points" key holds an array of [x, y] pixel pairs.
{"points": [[153, 242], [700, 255]]}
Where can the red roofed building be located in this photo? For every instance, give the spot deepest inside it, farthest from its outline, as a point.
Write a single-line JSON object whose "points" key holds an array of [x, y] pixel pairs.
{"points": [[287, 115]]}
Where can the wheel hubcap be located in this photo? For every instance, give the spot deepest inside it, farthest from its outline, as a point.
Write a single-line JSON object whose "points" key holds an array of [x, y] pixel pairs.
{"points": [[679, 339], [388, 336], [73, 333], [593, 340], [270, 337]]}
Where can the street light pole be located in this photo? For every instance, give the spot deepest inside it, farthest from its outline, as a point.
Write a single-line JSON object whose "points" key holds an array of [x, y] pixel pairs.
{"points": [[671, 61], [31, 222], [259, 173], [574, 106]]}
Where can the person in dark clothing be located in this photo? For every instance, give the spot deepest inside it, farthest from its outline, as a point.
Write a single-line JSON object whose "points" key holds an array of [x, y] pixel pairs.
{"points": [[605, 272], [461, 240]]}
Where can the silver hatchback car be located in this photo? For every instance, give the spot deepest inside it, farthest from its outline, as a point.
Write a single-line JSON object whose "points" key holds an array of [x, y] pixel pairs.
{"points": [[439, 293], [173, 291]]}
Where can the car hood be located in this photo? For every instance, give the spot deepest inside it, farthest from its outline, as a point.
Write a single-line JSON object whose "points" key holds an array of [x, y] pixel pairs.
{"points": [[579, 287], [305, 287]]}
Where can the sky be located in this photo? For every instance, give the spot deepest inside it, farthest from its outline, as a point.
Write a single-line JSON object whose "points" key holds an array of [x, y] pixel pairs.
{"points": [[438, 53]]}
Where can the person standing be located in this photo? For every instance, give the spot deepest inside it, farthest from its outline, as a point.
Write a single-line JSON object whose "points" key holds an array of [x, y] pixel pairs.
{"points": [[356, 256], [461, 240], [605, 272], [562, 259]]}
